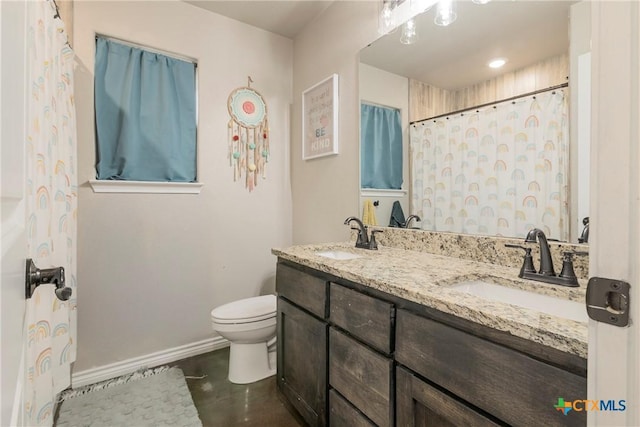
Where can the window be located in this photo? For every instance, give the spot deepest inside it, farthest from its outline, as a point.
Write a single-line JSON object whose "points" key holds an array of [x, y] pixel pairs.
{"points": [[380, 147], [145, 110]]}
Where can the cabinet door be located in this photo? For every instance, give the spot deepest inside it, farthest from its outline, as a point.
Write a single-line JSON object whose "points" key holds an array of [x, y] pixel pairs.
{"points": [[420, 405], [302, 362]]}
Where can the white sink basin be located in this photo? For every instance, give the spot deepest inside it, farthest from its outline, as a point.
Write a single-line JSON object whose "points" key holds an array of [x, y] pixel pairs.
{"points": [[338, 255], [566, 309]]}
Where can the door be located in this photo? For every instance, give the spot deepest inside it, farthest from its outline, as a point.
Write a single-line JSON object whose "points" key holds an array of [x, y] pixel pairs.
{"points": [[13, 241], [302, 362], [614, 241], [39, 199]]}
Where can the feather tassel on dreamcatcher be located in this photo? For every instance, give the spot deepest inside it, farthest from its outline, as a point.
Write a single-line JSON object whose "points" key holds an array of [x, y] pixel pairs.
{"points": [[248, 135]]}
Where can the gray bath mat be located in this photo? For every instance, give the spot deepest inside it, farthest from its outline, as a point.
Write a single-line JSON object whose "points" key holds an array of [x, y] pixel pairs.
{"points": [[157, 397]]}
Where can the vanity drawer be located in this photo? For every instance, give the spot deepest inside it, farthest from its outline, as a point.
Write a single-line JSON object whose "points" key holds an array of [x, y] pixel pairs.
{"points": [[510, 385], [343, 414], [362, 376], [362, 316], [305, 290]]}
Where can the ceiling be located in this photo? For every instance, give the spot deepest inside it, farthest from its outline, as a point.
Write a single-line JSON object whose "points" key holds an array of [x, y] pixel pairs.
{"points": [[524, 32], [286, 18]]}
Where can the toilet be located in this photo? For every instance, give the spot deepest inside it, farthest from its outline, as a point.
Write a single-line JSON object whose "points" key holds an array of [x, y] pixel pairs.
{"points": [[250, 326]]}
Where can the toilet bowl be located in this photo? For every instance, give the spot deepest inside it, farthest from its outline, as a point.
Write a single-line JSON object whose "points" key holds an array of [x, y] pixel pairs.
{"points": [[250, 326]]}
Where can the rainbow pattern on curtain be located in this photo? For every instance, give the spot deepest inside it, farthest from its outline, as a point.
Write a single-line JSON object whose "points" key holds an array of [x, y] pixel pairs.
{"points": [[499, 170], [51, 208]]}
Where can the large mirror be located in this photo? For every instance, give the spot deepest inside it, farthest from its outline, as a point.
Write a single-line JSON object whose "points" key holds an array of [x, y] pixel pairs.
{"points": [[445, 73]]}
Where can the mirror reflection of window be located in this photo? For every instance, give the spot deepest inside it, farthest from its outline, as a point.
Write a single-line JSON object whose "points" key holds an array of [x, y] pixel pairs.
{"points": [[380, 147]]}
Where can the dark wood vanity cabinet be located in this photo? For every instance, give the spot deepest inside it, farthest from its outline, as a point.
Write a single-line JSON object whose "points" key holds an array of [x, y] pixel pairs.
{"points": [[302, 343], [334, 351], [510, 385], [352, 356]]}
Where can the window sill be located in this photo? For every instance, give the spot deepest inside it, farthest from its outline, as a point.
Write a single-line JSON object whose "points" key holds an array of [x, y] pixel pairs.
{"points": [[107, 186], [380, 192]]}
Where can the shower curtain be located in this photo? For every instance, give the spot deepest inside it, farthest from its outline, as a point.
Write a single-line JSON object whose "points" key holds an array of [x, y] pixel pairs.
{"points": [[51, 200], [498, 170]]}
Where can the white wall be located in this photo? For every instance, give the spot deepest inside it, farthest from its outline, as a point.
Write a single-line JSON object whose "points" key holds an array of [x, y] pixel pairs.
{"points": [[390, 90], [326, 190], [151, 267]]}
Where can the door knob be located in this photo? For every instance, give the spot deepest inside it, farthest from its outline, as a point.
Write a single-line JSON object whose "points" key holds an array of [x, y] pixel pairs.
{"points": [[35, 277]]}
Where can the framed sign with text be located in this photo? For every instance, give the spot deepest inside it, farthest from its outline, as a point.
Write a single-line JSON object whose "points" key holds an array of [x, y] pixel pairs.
{"points": [[320, 119]]}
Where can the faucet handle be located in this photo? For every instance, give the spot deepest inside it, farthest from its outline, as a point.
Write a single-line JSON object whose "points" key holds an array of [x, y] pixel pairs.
{"points": [[527, 264], [372, 241], [567, 265], [359, 232], [362, 235]]}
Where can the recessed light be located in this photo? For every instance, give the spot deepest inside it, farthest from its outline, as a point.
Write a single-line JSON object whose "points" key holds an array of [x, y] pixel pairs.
{"points": [[497, 63]]}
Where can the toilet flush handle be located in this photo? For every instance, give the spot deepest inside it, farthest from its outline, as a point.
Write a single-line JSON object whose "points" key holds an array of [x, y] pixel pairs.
{"points": [[272, 341]]}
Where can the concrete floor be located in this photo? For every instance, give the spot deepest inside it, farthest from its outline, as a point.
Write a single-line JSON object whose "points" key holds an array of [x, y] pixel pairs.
{"points": [[223, 404]]}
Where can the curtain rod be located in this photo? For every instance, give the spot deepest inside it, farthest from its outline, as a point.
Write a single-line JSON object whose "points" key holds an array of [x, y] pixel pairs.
{"points": [[148, 49], [535, 92], [55, 5], [376, 104]]}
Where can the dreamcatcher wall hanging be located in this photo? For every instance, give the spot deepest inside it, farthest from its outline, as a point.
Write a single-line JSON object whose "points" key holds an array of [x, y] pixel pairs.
{"points": [[248, 135]]}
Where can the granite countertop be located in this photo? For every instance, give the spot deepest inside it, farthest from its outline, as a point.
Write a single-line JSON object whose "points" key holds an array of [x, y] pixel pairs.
{"points": [[425, 278]]}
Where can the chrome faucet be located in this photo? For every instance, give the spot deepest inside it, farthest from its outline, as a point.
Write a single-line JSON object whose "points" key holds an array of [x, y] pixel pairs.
{"points": [[363, 240], [546, 263], [409, 218]]}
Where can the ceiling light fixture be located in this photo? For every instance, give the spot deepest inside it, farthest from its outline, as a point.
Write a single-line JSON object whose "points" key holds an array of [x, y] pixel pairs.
{"points": [[409, 33], [445, 13], [386, 18], [480, 1], [497, 63]]}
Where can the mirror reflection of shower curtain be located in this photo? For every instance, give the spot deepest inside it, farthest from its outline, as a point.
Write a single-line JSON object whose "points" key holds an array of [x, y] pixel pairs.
{"points": [[499, 170]]}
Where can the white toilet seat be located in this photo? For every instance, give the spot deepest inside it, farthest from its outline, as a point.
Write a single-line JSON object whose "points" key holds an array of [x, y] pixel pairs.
{"points": [[247, 310], [222, 327]]}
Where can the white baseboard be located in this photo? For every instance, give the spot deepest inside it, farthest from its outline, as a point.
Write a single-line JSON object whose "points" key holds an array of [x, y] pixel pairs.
{"points": [[113, 370]]}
